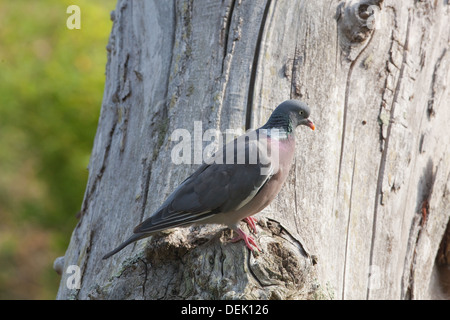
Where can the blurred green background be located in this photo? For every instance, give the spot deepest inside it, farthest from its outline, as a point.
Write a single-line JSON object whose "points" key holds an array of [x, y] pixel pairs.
{"points": [[51, 88]]}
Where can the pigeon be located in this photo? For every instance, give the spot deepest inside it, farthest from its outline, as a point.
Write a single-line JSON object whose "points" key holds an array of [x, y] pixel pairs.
{"points": [[238, 181]]}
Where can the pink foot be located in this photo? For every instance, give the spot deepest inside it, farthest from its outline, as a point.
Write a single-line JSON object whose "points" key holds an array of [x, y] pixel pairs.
{"points": [[251, 221], [249, 241]]}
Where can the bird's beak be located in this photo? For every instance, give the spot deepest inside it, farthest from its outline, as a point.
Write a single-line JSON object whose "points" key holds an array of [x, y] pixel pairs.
{"points": [[310, 124]]}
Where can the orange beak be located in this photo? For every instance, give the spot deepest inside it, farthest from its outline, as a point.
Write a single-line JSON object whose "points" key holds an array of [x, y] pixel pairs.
{"points": [[311, 125]]}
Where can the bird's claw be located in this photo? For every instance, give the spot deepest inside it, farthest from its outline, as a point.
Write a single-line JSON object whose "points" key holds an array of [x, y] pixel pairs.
{"points": [[251, 221], [249, 241]]}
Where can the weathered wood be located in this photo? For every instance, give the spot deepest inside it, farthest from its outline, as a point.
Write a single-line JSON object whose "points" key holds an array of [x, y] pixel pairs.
{"points": [[368, 199]]}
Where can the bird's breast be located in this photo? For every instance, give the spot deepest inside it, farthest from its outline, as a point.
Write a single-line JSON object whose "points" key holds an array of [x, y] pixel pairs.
{"points": [[273, 186]]}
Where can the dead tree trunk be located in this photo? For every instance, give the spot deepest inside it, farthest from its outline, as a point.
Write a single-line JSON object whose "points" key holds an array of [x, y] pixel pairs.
{"points": [[368, 199]]}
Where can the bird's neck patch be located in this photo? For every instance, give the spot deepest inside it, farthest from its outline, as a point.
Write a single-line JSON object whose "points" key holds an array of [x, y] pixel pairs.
{"points": [[279, 133], [281, 122]]}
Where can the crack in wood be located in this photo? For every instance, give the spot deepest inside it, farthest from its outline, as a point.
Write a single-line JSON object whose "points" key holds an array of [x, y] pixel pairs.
{"points": [[146, 177], [85, 257], [348, 226], [393, 66], [99, 175], [145, 276], [378, 195], [295, 73], [347, 94], [417, 226], [252, 273], [229, 19], [430, 108], [251, 87]]}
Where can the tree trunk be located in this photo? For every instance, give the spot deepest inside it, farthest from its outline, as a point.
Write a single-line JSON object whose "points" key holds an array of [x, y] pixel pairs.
{"points": [[367, 201]]}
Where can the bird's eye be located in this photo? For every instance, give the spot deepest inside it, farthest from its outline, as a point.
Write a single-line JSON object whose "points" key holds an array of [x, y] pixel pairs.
{"points": [[301, 112]]}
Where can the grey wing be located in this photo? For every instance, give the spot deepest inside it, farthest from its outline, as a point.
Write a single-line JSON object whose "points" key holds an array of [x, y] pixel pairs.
{"points": [[212, 189]]}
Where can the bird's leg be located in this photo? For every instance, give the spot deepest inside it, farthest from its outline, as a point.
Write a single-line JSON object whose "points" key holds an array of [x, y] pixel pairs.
{"points": [[249, 241], [251, 221]]}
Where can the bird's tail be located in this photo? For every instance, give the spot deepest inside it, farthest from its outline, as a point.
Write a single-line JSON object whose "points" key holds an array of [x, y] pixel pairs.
{"points": [[133, 238]]}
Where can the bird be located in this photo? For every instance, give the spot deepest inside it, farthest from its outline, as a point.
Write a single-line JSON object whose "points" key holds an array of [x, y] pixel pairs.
{"points": [[227, 192]]}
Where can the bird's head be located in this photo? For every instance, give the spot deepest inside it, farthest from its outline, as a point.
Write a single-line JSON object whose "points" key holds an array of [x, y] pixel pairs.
{"points": [[297, 111]]}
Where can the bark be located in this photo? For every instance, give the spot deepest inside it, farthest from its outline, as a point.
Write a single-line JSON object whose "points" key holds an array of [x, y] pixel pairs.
{"points": [[367, 202]]}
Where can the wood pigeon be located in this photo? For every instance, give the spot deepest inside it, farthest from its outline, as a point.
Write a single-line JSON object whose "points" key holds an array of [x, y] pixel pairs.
{"points": [[240, 180]]}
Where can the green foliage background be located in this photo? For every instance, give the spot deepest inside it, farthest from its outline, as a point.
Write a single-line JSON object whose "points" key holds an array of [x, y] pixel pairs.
{"points": [[51, 87]]}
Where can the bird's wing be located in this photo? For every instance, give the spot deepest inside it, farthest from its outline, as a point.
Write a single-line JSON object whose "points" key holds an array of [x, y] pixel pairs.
{"points": [[213, 188]]}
